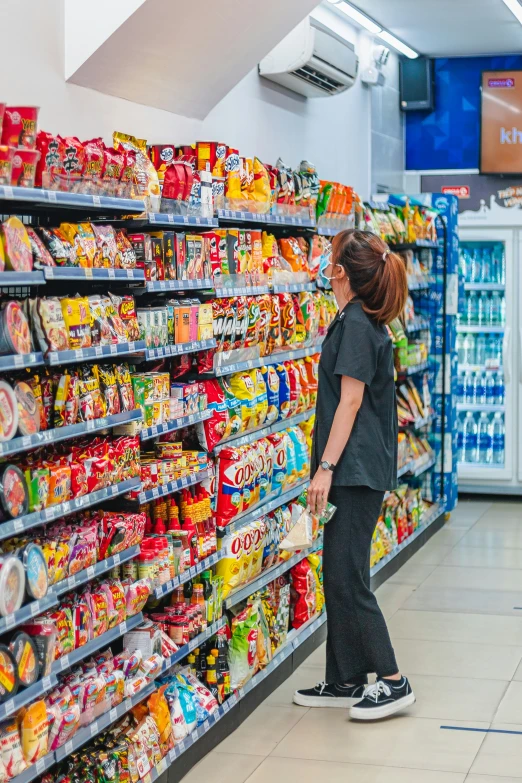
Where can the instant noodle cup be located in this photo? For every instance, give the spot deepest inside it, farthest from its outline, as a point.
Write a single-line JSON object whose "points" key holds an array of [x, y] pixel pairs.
{"points": [[23, 167], [12, 585], [19, 126], [6, 163], [8, 412], [25, 654], [17, 247], [36, 574], [15, 336], [231, 481], [14, 495]]}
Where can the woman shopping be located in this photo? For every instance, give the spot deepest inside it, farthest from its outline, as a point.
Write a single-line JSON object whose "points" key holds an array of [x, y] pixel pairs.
{"points": [[354, 461]]}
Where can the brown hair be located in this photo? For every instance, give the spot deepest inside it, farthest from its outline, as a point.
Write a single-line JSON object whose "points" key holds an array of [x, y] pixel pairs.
{"points": [[377, 276]]}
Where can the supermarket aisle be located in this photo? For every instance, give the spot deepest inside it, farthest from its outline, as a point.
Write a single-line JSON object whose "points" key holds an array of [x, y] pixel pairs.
{"points": [[459, 638]]}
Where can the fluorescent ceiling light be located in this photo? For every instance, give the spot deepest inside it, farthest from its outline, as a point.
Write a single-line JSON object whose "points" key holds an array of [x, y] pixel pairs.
{"points": [[359, 17], [399, 45], [515, 8]]}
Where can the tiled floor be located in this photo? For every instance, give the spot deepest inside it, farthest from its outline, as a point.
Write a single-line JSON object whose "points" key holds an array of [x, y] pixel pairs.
{"points": [[457, 634]]}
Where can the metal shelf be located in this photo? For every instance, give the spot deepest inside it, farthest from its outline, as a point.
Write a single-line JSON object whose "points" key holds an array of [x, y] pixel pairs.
{"points": [[262, 432], [190, 573], [293, 288], [178, 285], [175, 424], [478, 407], [95, 352], [26, 613], [28, 695], [486, 329], [266, 217], [14, 526], [57, 198], [173, 486], [82, 273], [8, 279], [20, 360], [166, 219], [94, 571], [416, 467], [74, 657], [282, 356], [484, 286], [211, 630], [420, 244], [58, 434], [241, 290], [180, 348]]}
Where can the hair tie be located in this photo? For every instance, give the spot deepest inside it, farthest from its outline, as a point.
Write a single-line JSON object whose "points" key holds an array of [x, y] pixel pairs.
{"points": [[385, 256]]}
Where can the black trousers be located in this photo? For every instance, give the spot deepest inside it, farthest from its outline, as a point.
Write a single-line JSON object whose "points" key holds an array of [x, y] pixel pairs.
{"points": [[358, 642]]}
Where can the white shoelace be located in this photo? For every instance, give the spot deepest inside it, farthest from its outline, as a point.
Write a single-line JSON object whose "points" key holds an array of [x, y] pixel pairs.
{"points": [[321, 686], [375, 690]]}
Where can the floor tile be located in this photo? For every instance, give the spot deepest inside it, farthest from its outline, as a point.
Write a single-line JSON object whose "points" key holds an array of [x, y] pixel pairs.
{"points": [[449, 536], [307, 771], [234, 768], [509, 523], [391, 597], [448, 599], [507, 507], [481, 629], [500, 754], [260, 733], [305, 676], [496, 539], [475, 557], [490, 779], [510, 708], [457, 659], [475, 579], [411, 574], [518, 674], [415, 743], [467, 514], [456, 698], [431, 555]]}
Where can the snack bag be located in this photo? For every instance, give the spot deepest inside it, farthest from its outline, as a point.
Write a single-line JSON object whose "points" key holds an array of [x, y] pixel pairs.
{"points": [[231, 481], [242, 651], [304, 395], [303, 593], [311, 364], [235, 421], [265, 312], [301, 451], [295, 387], [279, 462], [261, 191], [271, 379], [13, 761], [230, 567], [316, 564], [243, 388], [260, 399], [212, 430], [49, 324], [77, 317], [274, 338], [284, 406]]}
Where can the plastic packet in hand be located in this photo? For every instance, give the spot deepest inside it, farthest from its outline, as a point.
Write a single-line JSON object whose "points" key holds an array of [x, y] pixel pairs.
{"points": [[301, 534], [328, 512]]}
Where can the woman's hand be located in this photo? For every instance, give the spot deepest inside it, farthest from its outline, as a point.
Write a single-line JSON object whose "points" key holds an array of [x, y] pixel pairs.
{"points": [[318, 491]]}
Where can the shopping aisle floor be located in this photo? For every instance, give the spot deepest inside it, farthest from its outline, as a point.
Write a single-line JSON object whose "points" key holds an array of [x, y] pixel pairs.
{"points": [[458, 636]]}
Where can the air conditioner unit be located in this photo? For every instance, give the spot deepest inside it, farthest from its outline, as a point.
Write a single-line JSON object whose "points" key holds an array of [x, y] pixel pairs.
{"points": [[312, 61]]}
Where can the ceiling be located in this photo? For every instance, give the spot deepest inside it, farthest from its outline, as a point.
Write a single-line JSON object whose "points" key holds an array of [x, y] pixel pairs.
{"points": [[449, 28]]}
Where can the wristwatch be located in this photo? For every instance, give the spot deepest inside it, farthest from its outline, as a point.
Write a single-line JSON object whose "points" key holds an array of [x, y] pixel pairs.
{"points": [[327, 465]]}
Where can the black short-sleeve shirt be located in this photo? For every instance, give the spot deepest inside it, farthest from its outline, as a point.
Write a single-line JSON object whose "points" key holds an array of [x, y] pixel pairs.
{"points": [[359, 347]]}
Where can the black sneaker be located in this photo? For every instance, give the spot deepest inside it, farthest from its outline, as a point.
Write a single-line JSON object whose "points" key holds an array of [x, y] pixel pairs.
{"points": [[324, 695], [383, 699]]}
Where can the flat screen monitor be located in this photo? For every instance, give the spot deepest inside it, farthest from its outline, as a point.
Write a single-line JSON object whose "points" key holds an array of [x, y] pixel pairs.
{"points": [[501, 123]]}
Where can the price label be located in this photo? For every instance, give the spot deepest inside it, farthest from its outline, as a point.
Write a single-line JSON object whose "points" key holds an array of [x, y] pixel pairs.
{"points": [[181, 746], [162, 285], [206, 725], [241, 693], [225, 706], [193, 571], [88, 273], [94, 728], [130, 273], [132, 347], [9, 706], [116, 559], [111, 273], [152, 217], [51, 195], [122, 628], [154, 430], [155, 492], [18, 525], [35, 608], [183, 481], [40, 765], [8, 192], [64, 662], [10, 620], [114, 349], [96, 201], [113, 715], [19, 361], [170, 218], [195, 734], [49, 513], [98, 351], [90, 572], [66, 507]]}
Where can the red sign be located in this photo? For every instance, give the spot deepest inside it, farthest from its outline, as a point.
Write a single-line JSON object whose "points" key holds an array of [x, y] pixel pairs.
{"points": [[461, 191]]}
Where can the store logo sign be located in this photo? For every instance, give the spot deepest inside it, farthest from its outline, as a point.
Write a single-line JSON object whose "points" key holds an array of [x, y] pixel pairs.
{"points": [[461, 191], [511, 136], [503, 83]]}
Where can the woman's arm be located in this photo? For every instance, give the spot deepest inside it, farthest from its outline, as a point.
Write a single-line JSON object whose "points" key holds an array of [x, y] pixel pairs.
{"points": [[352, 392]]}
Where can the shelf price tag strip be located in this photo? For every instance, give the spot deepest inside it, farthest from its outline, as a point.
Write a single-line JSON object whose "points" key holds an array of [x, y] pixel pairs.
{"points": [[190, 573], [262, 432], [173, 486], [94, 571], [175, 424]]}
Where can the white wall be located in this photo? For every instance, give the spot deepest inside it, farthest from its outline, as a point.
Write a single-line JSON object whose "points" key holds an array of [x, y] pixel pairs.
{"points": [[256, 116]]}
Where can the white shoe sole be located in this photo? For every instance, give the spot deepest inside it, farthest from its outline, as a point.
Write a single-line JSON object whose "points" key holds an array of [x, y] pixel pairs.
{"points": [[339, 702], [377, 713]]}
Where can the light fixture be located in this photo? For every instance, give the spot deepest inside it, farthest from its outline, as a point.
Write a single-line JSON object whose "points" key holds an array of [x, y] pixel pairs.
{"points": [[399, 45], [515, 8], [376, 29]]}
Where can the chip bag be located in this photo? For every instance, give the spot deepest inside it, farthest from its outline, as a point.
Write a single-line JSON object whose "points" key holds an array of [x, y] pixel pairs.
{"points": [[231, 482]]}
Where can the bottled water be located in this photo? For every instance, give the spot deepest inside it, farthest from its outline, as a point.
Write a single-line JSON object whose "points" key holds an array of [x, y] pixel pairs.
{"points": [[472, 308], [502, 310], [476, 266], [464, 264], [490, 349], [479, 388], [469, 349], [498, 389], [490, 388], [484, 439], [460, 439], [498, 437], [495, 310], [460, 388], [502, 266], [486, 268], [460, 348], [496, 264], [470, 434], [468, 387], [480, 350], [484, 309]]}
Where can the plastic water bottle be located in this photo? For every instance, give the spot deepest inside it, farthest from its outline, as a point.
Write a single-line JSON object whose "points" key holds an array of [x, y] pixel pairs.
{"points": [[502, 310], [470, 432], [484, 439], [485, 272], [468, 387], [460, 348], [460, 439], [476, 266], [502, 266], [484, 309], [464, 261], [496, 264], [498, 437], [479, 388], [480, 350], [469, 349], [460, 388], [495, 310], [498, 392], [490, 349], [472, 308], [490, 388]]}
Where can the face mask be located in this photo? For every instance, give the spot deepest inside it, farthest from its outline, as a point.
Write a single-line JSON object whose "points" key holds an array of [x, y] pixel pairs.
{"points": [[324, 263]]}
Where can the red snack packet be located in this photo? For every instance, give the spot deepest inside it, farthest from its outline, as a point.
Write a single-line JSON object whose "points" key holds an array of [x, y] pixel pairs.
{"points": [[175, 181], [79, 484], [303, 595], [180, 366], [93, 166], [49, 162], [114, 161], [231, 482], [211, 431], [288, 318], [127, 176], [72, 159]]}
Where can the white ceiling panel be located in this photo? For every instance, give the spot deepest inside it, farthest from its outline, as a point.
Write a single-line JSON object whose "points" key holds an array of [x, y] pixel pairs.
{"points": [[449, 28]]}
